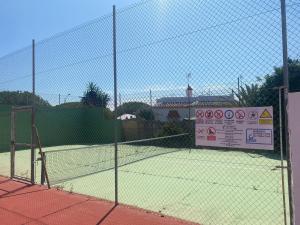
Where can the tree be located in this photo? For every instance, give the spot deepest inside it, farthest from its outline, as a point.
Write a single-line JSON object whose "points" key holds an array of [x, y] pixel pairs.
{"points": [[131, 108], [146, 114], [170, 128], [267, 93], [173, 115], [21, 98], [94, 96], [71, 105], [249, 95], [140, 109]]}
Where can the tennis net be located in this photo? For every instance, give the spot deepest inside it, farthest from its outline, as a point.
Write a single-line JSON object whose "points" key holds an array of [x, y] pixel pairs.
{"points": [[67, 164]]}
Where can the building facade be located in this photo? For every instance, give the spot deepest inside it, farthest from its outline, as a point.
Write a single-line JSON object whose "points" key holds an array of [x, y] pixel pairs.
{"points": [[183, 108]]}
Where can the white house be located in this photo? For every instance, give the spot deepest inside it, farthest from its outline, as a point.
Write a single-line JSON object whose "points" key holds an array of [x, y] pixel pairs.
{"points": [[127, 117]]}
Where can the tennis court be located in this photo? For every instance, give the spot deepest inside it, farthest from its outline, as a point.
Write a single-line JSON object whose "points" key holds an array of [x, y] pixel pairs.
{"points": [[203, 186]]}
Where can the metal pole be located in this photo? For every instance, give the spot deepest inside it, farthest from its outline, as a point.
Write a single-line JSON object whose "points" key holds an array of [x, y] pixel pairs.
{"points": [[189, 105], [66, 98], [151, 98], [151, 106], [115, 103], [238, 85], [189, 122], [13, 141], [189, 100], [33, 117], [281, 156], [286, 91], [239, 90], [188, 93]]}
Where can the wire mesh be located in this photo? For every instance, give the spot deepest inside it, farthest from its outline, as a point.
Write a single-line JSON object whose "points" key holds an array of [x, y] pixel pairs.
{"points": [[15, 89], [182, 55], [172, 58], [74, 73]]}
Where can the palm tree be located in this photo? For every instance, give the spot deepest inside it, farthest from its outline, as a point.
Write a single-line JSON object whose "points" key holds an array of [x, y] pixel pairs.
{"points": [[249, 95]]}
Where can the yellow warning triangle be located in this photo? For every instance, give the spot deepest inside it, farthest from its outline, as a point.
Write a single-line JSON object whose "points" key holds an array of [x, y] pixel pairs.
{"points": [[266, 114]]}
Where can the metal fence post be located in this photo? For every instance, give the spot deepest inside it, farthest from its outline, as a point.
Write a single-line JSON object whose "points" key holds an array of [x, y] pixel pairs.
{"points": [[13, 147], [115, 103], [33, 117], [286, 91]]}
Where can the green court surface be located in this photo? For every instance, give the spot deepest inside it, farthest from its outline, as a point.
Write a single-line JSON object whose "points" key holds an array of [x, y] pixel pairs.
{"points": [[205, 186]]}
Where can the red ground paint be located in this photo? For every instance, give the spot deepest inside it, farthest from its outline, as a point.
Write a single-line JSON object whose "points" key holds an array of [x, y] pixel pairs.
{"points": [[21, 203]]}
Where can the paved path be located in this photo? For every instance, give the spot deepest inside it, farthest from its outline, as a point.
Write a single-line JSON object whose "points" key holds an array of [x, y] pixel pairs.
{"points": [[21, 203]]}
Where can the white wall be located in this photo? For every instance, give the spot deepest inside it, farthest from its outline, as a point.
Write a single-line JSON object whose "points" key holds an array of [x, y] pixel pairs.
{"points": [[294, 126]]}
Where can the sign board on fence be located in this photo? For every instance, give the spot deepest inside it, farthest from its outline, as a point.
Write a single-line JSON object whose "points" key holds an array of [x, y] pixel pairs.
{"points": [[247, 127]]}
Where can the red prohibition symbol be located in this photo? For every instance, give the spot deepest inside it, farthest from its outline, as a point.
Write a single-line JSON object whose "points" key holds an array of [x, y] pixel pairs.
{"points": [[240, 114], [209, 114], [199, 114], [211, 131], [219, 114]]}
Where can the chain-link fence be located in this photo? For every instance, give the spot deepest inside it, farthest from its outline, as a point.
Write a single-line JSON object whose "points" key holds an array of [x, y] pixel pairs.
{"points": [[172, 58]]}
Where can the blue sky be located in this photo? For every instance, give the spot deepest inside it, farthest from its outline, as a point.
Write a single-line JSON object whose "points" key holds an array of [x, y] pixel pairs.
{"points": [[158, 43], [21, 21]]}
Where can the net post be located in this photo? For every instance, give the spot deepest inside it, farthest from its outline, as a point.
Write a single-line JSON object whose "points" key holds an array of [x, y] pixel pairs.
{"points": [[286, 91], [33, 116], [42, 168], [115, 104], [43, 158]]}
